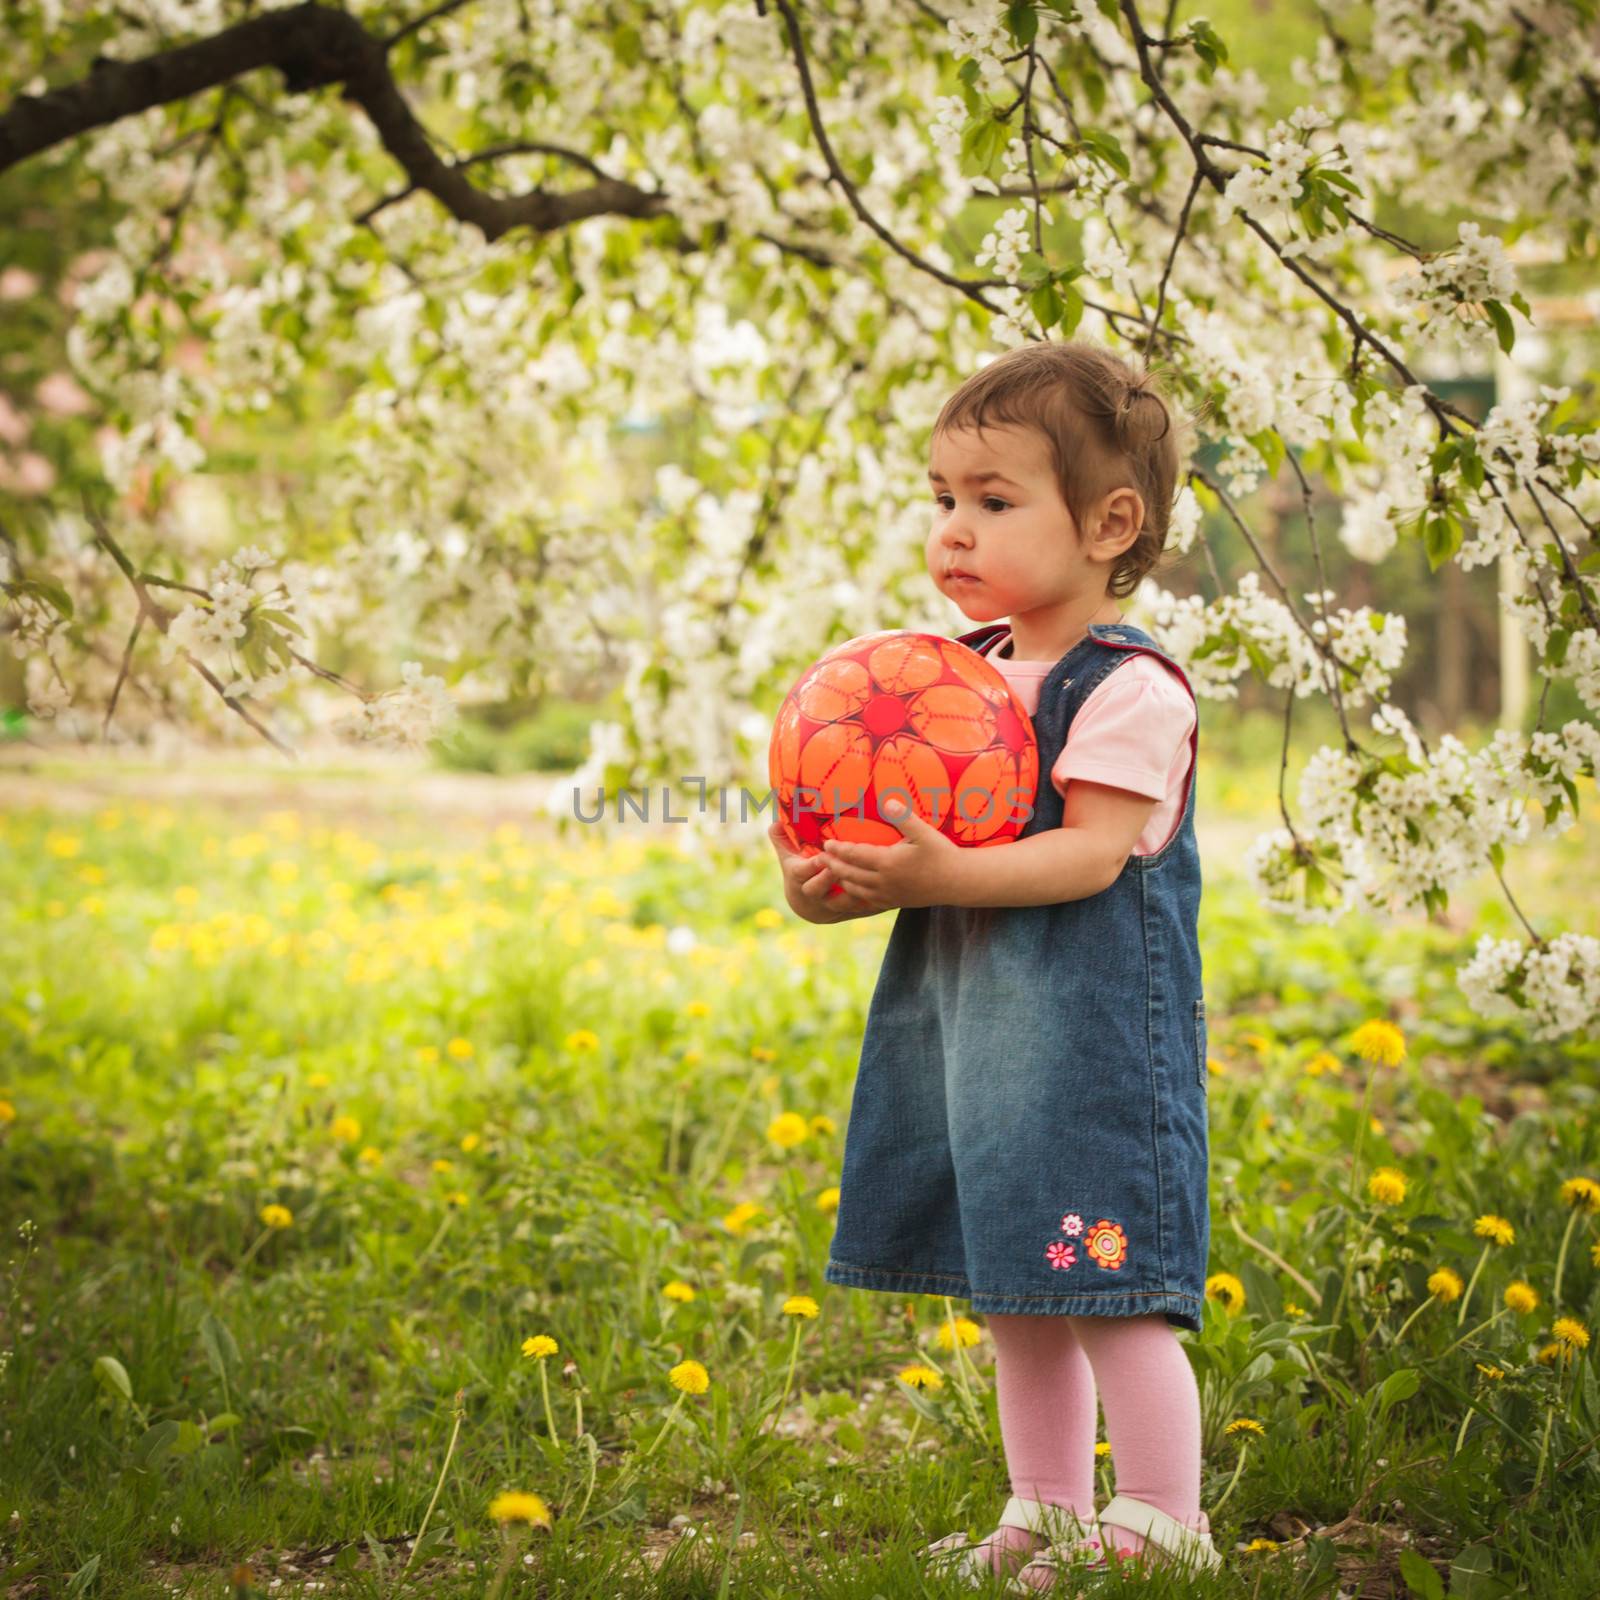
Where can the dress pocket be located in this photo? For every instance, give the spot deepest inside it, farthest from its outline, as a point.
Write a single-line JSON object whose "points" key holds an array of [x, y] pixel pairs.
{"points": [[1200, 1042]]}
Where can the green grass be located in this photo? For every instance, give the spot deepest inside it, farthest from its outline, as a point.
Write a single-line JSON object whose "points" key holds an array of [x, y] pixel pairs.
{"points": [[184, 1024]]}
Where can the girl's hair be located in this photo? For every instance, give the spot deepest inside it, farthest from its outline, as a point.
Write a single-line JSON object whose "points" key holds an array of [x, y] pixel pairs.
{"points": [[1108, 427]]}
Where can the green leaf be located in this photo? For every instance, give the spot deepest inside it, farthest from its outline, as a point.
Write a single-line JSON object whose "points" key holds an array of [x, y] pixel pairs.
{"points": [[1106, 147], [153, 1444], [1396, 1387], [82, 1578], [1270, 447], [982, 140], [1023, 22], [222, 1353], [1472, 1575], [1073, 314], [282, 618], [1420, 1575], [1046, 304], [1441, 538], [114, 1376], [1555, 647], [1504, 332]]}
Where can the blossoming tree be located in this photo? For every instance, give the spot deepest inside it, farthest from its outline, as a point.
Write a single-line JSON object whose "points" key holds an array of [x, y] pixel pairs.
{"points": [[494, 227]]}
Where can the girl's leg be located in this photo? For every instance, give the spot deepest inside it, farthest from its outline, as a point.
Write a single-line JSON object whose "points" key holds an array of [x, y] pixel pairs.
{"points": [[1046, 1394], [1152, 1407]]}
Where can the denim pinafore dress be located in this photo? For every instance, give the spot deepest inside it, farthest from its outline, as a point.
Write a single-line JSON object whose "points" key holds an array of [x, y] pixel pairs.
{"points": [[1028, 1128]]}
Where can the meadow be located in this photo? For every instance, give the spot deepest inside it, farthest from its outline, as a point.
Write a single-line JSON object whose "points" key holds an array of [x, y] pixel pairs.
{"points": [[442, 1210]]}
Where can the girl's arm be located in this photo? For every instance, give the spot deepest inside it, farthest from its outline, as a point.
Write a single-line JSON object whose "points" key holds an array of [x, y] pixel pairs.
{"points": [[1099, 828]]}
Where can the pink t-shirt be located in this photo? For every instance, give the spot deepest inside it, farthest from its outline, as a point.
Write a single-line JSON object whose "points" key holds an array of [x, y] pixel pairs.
{"points": [[1131, 733]]}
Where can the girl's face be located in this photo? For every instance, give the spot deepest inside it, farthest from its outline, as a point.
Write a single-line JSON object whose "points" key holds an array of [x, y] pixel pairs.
{"points": [[1003, 542]]}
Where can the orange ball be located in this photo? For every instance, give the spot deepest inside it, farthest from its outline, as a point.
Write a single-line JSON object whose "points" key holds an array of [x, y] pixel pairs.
{"points": [[908, 715]]}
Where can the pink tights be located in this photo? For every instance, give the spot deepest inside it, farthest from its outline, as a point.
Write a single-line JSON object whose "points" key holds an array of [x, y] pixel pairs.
{"points": [[1047, 1369]]}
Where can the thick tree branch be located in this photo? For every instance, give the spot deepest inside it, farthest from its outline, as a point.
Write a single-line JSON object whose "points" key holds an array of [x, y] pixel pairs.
{"points": [[313, 46]]}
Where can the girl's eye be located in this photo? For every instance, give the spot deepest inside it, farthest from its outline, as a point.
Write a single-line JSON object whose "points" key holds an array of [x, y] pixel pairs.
{"points": [[988, 500]]}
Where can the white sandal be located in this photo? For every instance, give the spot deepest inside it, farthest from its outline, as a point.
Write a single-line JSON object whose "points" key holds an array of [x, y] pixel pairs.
{"points": [[956, 1556], [1190, 1549]]}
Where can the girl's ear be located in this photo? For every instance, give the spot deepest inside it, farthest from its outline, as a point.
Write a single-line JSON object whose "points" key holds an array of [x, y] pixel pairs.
{"points": [[1120, 517]]}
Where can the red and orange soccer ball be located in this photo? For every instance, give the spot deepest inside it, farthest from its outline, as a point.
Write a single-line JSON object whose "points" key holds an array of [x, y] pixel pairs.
{"points": [[907, 714]]}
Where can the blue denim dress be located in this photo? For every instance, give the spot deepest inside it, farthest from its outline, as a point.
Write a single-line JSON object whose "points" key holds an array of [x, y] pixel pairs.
{"points": [[1028, 1128]]}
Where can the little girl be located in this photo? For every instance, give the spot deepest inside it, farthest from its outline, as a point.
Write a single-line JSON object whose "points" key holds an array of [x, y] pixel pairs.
{"points": [[1028, 1127]]}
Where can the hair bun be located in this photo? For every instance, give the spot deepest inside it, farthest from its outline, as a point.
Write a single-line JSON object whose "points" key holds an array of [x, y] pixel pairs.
{"points": [[1137, 391]]}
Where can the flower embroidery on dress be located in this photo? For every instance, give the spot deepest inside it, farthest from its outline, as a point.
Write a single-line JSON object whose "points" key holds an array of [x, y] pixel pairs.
{"points": [[1106, 1244], [1072, 1223], [1060, 1254]]}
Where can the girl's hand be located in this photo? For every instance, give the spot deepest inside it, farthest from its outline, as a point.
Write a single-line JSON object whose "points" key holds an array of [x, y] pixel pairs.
{"points": [[807, 882], [918, 871]]}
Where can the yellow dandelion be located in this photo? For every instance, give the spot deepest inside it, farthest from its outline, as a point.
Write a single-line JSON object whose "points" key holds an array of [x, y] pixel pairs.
{"points": [[1258, 1042], [678, 1290], [1101, 1450], [8, 1112], [737, 1220], [919, 1377], [1215, 1067], [317, 1080], [966, 1330], [515, 1507], [1492, 1373], [539, 1346], [427, 1054], [443, 1164], [369, 1155], [459, 1049], [788, 1129], [801, 1305], [455, 1198], [697, 1008], [766, 917], [1489, 1226], [1227, 1291], [760, 1052], [1584, 1192], [63, 845], [690, 1377], [1549, 1354], [581, 1039], [1445, 1284], [1293, 1312], [1379, 1041], [692, 1058], [1520, 1296], [1323, 1061], [828, 1200], [1262, 1544], [824, 1127], [1387, 1186], [275, 1216], [769, 1084], [1245, 1425], [345, 1129], [471, 1141], [1570, 1332]]}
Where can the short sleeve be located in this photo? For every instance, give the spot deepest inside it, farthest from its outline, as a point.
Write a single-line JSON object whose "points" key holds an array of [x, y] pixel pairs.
{"points": [[1131, 733]]}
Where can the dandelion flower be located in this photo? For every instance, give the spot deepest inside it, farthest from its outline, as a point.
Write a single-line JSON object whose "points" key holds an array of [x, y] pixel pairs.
{"points": [[828, 1200], [697, 1008], [471, 1141], [1227, 1291], [345, 1129], [1492, 1373], [1379, 1041], [1262, 1544], [737, 1220], [966, 1330], [678, 1290], [1584, 1192], [275, 1216], [1101, 1450], [459, 1049], [823, 1127], [690, 1377], [515, 1507], [1570, 1332], [760, 1052], [1445, 1284], [369, 1155], [801, 1305], [788, 1129], [1323, 1061], [456, 1198], [8, 1112], [1245, 1425], [539, 1346], [1496, 1228], [582, 1039], [1520, 1296], [443, 1164], [1549, 1354], [766, 917], [917, 1376], [317, 1080], [1294, 1312], [1387, 1186], [427, 1054]]}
